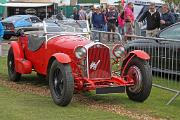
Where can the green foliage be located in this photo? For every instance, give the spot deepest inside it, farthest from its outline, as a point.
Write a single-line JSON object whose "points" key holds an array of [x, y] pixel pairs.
{"points": [[88, 1], [175, 1]]}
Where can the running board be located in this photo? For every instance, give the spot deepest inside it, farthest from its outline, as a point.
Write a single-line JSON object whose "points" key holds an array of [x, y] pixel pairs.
{"points": [[106, 90]]}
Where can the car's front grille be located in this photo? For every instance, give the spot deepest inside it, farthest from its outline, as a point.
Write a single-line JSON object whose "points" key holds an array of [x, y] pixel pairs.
{"points": [[99, 62]]}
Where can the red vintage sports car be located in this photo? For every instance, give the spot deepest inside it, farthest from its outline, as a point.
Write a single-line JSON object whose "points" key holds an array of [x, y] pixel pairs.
{"points": [[72, 62]]}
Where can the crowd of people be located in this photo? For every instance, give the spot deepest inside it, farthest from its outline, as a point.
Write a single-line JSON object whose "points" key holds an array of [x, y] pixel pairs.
{"points": [[111, 18]]}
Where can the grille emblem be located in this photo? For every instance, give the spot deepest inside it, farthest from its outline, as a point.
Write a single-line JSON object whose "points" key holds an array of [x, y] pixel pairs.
{"points": [[94, 65]]}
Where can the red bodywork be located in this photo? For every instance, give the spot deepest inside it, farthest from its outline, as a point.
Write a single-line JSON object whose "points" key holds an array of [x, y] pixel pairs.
{"points": [[89, 73]]}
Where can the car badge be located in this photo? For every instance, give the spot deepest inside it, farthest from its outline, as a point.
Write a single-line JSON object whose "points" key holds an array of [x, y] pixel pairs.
{"points": [[94, 65]]}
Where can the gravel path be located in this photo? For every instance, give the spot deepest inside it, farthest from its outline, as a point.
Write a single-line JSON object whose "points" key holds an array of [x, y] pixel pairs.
{"points": [[44, 91]]}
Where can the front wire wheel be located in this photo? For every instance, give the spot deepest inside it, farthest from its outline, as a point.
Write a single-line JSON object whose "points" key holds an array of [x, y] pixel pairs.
{"points": [[140, 71], [13, 75], [61, 83]]}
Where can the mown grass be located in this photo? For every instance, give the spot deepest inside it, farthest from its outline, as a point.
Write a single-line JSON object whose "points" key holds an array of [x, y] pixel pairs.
{"points": [[155, 105], [23, 106]]}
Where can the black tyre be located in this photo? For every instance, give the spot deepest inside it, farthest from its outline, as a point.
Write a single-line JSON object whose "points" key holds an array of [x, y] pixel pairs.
{"points": [[7, 37], [141, 73], [13, 75], [61, 83]]}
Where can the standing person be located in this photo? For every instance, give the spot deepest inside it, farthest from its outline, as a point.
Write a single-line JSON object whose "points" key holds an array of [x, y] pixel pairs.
{"points": [[60, 15], [167, 17], [152, 17], [121, 23], [98, 21], [89, 17], [171, 5], [172, 9], [75, 14], [105, 24], [82, 13], [111, 21], [129, 19]]}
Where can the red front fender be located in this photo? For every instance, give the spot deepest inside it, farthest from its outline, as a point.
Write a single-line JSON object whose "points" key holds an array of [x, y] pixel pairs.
{"points": [[17, 50], [21, 64], [140, 54], [62, 58], [136, 53]]}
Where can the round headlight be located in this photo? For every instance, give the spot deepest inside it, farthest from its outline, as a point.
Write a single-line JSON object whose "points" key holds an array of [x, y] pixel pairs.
{"points": [[118, 51], [80, 52]]}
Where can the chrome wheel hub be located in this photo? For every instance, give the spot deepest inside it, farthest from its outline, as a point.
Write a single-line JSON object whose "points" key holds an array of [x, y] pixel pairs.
{"points": [[135, 73]]}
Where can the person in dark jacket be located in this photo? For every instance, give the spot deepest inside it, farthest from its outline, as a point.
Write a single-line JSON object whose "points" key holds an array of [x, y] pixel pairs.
{"points": [[111, 17], [75, 14], [167, 17], [153, 21], [98, 19]]}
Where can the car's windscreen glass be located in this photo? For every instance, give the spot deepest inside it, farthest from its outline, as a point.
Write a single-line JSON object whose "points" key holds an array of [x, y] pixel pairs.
{"points": [[35, 19], [137, 10], [171, 33], [66, 26], [13, 18]]}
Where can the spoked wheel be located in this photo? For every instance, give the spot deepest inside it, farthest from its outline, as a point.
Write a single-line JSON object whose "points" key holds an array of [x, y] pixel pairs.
{"points": [[135, 73], [13, 75], [140, 71], [58, 83], [61, 83]]}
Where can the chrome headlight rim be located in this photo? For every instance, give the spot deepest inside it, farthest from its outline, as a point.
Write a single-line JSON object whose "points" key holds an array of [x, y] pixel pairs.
{"points": [[119, 51], [80, 52]]}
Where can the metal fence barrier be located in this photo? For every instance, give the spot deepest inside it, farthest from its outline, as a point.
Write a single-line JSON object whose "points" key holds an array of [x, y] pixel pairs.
{"points": [[165, 62], [106, 37]]}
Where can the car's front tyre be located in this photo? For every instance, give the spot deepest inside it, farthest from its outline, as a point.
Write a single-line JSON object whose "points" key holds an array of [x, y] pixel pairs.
{"points": [[13, 75], [61, 83], [140, 71]]}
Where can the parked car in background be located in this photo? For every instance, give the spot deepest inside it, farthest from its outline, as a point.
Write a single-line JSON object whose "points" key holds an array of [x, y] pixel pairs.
{"points": [[164, 50], [13, 23], [177, 17]]}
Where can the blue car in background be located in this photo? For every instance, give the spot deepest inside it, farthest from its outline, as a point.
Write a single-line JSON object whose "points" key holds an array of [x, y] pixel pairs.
{"points": [[10, 25]]}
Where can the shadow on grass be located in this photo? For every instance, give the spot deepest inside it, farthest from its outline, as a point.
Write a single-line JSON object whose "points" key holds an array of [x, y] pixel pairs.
{"points": [[33, 79]]}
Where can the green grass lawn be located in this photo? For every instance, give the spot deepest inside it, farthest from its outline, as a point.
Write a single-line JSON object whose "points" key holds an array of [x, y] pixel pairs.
{"points": [[154, 106], [22, 106]]}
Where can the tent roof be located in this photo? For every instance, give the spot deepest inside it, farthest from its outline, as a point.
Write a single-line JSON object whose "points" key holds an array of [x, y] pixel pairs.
{"points": [[26, 4], [34, 1]]}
